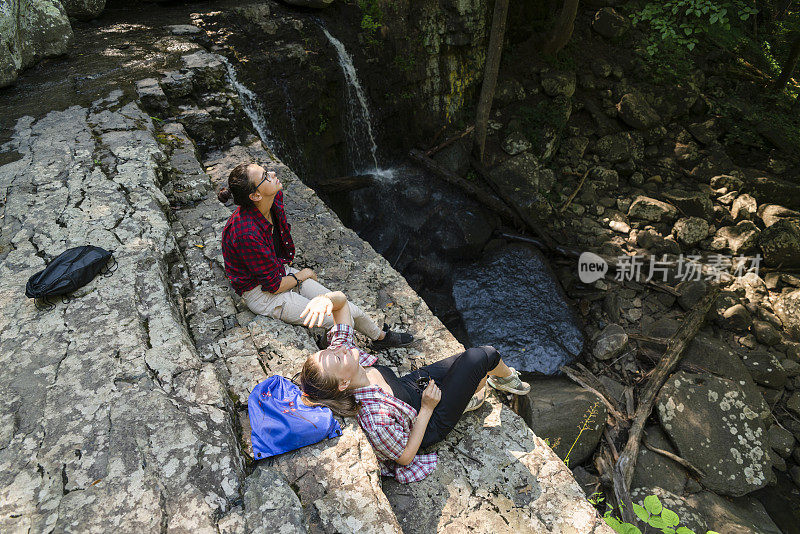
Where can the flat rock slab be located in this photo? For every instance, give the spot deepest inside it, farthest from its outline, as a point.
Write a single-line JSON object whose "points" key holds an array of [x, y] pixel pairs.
{"points": [[110, 420], [531, 325]]}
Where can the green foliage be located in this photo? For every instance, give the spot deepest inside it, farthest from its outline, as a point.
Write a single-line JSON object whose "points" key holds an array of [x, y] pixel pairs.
{"points": [[405, 63], [588, 419], [546, 114], [681, 22], [323, 125], [372, 18], [653, 514]]}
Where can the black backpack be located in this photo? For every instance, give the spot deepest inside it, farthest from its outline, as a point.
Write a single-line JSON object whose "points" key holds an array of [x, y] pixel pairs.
{"points": [[70, 270]]}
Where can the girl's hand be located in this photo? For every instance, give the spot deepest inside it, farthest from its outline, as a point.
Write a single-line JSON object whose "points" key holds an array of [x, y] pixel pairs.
{"points": [[431, 396], [316, 310]]}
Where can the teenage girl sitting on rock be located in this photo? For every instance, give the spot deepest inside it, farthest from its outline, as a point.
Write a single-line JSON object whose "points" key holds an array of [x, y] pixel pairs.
{"points": [[258, 248], [399, 415]]}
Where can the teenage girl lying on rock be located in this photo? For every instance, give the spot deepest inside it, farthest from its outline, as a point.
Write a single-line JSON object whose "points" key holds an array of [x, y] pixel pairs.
{"points": [[258, 248], [399, 415]]}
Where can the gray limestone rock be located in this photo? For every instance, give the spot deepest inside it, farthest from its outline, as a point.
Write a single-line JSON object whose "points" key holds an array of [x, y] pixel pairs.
{"points": [[523, 178], [615, 148], [742, 238], [152, 96], [744, 208], [30, 31], [529, 292], [557, 409], [559, 83], [650, 209], [654, 469], [693, 204], [787, 308], [610, 342], [781, 440], [636, 112], [780, 243], [772, 213], [691, 230], [765, 368], [687, 404], [515, 143]]}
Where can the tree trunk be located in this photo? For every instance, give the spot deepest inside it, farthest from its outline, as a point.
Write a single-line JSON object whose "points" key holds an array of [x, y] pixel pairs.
{"points": [[490, 77], [788, 67], [560, 35]]}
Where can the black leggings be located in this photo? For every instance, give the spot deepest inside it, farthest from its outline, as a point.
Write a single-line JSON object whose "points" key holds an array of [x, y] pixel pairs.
{"points": [[458, 377]]}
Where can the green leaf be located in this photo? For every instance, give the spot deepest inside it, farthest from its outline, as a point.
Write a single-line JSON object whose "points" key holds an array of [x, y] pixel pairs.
{"points": [[627, 528], [613, 523], [690, 46], [687, 31], [668, 530], [684, 530], [670, 517], [652, 504], [656, 522], [640, 512]]}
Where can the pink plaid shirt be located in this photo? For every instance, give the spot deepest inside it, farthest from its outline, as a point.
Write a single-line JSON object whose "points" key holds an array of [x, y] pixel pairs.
{"points": [[385, 419]]}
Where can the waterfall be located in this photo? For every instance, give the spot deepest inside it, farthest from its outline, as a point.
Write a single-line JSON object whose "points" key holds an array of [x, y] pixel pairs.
{"points": [[253, 109], [359, 129]]}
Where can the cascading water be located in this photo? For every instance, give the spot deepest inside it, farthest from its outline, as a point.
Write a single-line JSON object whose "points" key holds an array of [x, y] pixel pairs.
{"points": [[360, 127], [254, 110]]}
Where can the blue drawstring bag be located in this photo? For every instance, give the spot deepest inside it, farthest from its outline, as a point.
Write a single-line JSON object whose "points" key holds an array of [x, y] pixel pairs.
{"points": [[280, 421]]}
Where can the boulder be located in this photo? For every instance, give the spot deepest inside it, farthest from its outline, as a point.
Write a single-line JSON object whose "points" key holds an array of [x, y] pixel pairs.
{"points": [[744, 208], [605, 179], [615, 148], [83, 9], [515, 143], [30, 31], [559, 83], [690, 292], [454, 157], [569, 417], [766, 333], [523, 179], [654, 469], [280, 506], [508, 91], [771, 190], [532, 325], [634, 110], [610, 342], [793, 403], [772, 213], [706, 132], [152, 96], [780, 243], [691, 230], [704, 415], [608, 23], [693, 204], [650, 209], [787, 308], [765, 368], [781, 440], [741, 238]]}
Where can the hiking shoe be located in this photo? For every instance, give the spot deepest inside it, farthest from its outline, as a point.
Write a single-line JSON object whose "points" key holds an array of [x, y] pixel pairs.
{"points": [[476, 401], [510, 383], [392, 339]]}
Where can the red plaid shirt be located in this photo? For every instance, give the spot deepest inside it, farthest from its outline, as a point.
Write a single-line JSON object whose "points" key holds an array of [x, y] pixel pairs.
{"points": [[385, 419], [248, 247]]}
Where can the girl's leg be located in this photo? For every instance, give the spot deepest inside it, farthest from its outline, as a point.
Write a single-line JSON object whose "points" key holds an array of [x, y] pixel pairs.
{"points": [[311, 288], [459, 377]]}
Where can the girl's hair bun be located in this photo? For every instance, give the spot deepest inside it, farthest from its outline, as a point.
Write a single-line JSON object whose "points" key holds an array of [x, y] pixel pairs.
{"points": [[224, 195]]}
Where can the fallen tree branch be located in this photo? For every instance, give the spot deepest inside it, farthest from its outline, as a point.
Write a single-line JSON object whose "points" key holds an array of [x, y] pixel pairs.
{"points": [[575, 193], [575, 377], [623, 470], [675, 458], [437, 148]]}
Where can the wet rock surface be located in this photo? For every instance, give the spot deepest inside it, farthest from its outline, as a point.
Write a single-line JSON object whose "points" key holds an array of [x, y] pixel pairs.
{"points": [[516, 285]]}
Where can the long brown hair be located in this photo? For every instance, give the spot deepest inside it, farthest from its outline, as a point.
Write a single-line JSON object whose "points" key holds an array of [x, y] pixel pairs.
{"points": [[324, 389]]}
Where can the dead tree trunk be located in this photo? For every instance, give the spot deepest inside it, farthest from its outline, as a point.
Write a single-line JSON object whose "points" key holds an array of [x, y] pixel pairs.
{"points": [[490, 77], [788, 67], [561, 32], [623, 470]]}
